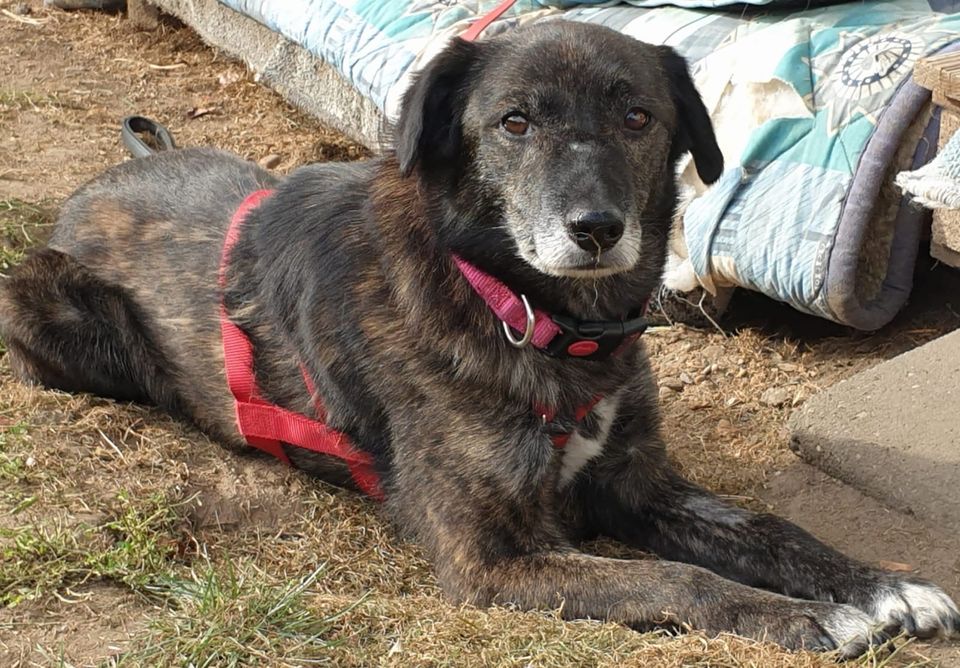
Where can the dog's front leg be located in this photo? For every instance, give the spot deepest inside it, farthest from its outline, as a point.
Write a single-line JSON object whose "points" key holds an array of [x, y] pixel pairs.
{"points": [[631, 493], [481, 501]]}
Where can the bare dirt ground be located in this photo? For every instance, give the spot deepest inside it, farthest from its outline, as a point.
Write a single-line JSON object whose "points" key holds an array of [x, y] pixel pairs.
{"points": [[126, 538]]}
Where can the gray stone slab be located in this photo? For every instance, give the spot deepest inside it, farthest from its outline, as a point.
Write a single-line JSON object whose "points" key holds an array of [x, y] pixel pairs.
{"points": [[893, 431]]}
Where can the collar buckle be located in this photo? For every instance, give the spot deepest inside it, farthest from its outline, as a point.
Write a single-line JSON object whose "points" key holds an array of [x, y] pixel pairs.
{"points": [[593, 339]]}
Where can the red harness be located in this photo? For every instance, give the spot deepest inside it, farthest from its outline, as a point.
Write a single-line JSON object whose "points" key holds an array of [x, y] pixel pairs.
{"points": [[268, 427]]}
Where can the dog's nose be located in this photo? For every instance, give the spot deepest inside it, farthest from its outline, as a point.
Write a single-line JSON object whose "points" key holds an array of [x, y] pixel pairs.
{"points": [[596, 230]]}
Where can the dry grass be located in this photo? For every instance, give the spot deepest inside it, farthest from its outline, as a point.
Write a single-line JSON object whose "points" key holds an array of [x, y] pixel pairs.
{"points": [[128, 538], [22, 224]]}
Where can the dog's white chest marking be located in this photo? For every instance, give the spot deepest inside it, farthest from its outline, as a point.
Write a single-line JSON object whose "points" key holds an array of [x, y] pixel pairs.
{"points": [[579, 450]]}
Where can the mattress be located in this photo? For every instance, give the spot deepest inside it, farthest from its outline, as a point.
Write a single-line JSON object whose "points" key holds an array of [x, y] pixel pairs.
{"points": [[814, 110]]}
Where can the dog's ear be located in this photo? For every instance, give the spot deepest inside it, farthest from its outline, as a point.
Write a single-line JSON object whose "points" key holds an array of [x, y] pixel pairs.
{"points": [[694, 129], [431, 116]]}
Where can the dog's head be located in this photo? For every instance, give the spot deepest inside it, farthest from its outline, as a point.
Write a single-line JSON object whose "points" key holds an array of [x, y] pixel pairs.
{"points": [[569, 133]]}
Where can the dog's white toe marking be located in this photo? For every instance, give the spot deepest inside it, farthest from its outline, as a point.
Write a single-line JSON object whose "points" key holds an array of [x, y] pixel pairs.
{"points": [[580, 450], [925, 607], [850, 629]]}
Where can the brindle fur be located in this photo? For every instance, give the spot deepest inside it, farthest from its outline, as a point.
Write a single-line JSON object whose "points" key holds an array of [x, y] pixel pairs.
{"points": [[347, 269]]}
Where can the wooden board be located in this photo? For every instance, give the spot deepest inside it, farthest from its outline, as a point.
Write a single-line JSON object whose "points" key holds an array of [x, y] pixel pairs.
{"points": [[940, 74]]}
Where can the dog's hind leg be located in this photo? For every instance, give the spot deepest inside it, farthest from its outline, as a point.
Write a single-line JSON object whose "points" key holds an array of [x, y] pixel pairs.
{"points": [[67, 329], [631, 493]]}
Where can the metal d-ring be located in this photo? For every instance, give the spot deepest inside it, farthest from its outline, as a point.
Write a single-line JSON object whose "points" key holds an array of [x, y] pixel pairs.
{"points": [[528, 332]]}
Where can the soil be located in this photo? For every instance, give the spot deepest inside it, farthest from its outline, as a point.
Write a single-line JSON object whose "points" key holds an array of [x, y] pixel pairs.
{"points": [[84, 625], [66, 80]]}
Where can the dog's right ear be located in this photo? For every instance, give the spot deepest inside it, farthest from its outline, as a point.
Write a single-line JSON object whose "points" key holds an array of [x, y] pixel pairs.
{"points": [[431, 116]]}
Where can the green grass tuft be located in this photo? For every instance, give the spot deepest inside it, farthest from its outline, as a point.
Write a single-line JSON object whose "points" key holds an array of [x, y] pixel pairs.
{"points": [[11, 463], [15, 472], [21, 100], [136, 548], [22, 225], [233, 614]]}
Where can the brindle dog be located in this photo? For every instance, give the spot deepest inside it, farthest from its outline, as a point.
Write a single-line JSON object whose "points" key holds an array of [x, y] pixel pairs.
{"points": [[546, 157]]}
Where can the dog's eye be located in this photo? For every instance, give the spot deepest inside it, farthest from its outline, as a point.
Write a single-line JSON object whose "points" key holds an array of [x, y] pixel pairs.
{"points": [[636, 119], [515, 124]]}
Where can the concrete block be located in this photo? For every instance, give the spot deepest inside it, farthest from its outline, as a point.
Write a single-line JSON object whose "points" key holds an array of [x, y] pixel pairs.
{"points": [[893, 431]]}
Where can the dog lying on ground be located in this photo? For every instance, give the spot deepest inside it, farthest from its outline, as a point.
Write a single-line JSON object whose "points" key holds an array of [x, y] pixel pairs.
{"points": [[533, 176]]}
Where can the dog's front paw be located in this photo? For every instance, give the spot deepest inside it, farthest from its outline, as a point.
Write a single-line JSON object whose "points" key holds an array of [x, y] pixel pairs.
{"points": [[810, 625], [848, 630], [919, 608]]}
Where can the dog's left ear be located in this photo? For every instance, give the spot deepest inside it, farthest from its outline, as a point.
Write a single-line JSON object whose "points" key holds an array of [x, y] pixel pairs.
{"points": [[431, 116], [694, 129]]}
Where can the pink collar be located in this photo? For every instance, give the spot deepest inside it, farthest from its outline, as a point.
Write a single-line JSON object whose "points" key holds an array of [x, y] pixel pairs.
{"points": [[560, 336]]}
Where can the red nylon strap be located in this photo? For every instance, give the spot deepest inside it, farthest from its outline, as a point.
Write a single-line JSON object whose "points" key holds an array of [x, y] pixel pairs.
{"points": [[579, 415], [264, 425], [584, 410], [359, 462], [481, 24], [318, 407]]}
